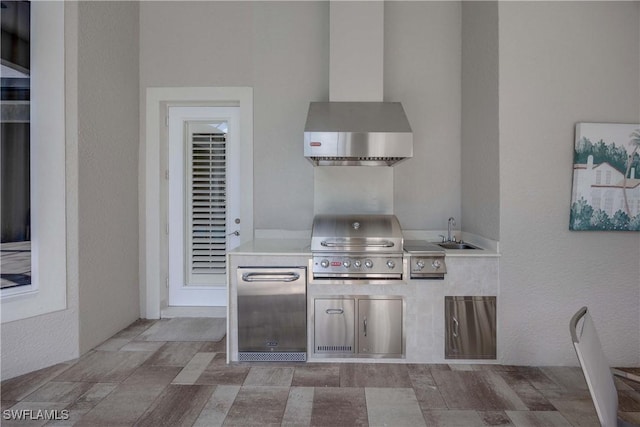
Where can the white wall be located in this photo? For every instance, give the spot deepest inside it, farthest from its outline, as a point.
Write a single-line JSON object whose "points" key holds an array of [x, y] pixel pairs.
{"points": [[108, 129], [480, 140], [562, 63], [422, 69]]}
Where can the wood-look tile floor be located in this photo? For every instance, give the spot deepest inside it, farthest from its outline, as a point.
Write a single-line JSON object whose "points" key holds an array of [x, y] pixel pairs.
{"points": [[128, 381]]}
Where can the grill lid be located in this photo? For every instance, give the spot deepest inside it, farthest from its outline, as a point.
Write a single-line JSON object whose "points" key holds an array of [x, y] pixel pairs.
{"points": [[356, 233]]}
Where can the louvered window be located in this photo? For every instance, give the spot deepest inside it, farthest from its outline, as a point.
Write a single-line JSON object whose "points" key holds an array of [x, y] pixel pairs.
{"points": [[206, 206]]}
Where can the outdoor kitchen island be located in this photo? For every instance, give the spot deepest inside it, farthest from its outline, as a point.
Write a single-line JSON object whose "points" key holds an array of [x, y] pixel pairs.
{"points": [[422, 324]]}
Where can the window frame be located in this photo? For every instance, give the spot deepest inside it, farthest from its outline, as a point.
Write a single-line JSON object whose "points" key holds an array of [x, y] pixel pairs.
{"points": [[47, 291]]}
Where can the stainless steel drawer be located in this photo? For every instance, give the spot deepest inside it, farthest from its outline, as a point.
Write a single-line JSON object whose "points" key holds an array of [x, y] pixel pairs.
{"points": [[334, 325]]}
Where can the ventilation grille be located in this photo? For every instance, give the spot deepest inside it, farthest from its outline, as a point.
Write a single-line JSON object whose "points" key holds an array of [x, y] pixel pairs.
{"points": [[208, 199], [334, 349], [272, 357]]}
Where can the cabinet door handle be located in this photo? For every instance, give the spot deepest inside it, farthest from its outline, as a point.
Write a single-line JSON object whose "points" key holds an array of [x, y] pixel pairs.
{"points": [[334, 311], [456, 327], [364, 323]]}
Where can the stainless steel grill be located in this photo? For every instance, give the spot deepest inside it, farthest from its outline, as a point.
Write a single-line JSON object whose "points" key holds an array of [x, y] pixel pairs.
{"points": [[357, 247], [426, 260]]}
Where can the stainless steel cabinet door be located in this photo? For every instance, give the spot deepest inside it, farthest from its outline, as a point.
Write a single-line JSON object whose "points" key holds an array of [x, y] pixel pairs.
{"points": [[380, 326], [470, 327], [334, 325]]}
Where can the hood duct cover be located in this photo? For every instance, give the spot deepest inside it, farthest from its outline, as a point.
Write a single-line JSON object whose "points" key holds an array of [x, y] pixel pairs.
{"points": [[357, 134]]}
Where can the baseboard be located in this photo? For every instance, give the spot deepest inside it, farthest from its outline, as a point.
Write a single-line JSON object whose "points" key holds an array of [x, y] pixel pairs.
{"points": [[184, 311]]}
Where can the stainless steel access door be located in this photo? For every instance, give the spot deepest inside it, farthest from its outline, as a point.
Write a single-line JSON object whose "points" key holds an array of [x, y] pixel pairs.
{"points": [[380, 326], [272, 313], [470, 327]]}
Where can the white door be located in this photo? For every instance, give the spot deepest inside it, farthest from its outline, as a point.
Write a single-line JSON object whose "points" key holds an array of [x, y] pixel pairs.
{"points": [[204, 202]]}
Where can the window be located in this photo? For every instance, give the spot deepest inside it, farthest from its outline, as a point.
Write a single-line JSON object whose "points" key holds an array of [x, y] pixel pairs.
{"points": [[608, 205], [598, 177], [15, 241], [47, 212]]}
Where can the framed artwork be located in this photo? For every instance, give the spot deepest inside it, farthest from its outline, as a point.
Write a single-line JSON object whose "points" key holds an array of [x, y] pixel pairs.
{"points": [[606, 177]]}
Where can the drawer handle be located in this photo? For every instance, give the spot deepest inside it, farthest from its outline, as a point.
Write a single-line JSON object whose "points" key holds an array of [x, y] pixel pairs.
{"points": [[334, 311], [270, 277], [364, 323]]}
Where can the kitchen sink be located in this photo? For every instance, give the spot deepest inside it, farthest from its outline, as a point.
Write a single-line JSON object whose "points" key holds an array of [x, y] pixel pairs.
{"points": [[456, 245]]}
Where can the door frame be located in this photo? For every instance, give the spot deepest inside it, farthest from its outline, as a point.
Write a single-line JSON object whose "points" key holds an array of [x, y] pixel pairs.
{"points": [[152, 206]]}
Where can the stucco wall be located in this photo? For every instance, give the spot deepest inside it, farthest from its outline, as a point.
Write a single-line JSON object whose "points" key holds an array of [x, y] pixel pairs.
{"points": [[281, 49], [422, 70], [278, 48], [562, 63], [44, 340], [480, 140], [108, 129]]}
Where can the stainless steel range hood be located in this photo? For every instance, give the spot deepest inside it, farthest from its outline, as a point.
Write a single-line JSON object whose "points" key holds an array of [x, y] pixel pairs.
{"points": [[357, 134]]}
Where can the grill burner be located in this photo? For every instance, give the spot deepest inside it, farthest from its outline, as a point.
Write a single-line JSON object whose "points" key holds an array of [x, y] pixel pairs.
{"points": [[357, 247]]}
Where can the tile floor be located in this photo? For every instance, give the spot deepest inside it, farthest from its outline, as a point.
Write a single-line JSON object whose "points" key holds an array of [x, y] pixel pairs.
{"points": [[129, 381]]}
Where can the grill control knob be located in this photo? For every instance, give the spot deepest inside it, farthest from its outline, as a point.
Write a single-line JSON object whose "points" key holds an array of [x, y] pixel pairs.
{"points": [[346, 263], [324, 263], [357, 263], [436, 264], [368, 263], [391, 264], [420, 264]]}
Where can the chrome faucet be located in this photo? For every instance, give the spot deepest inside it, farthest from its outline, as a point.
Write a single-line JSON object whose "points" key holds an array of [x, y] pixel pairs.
{"points": [[450, 223]]}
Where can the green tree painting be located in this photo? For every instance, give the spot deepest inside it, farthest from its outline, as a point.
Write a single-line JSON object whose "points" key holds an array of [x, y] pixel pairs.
{"points": [[606, 178]]}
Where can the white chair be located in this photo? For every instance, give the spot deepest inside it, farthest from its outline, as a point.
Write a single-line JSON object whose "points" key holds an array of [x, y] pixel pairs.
{"points": [[596, 369]]}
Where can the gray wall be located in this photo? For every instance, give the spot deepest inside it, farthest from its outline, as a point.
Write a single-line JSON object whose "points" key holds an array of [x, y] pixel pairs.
{"points": [[40, 341], [480, 140], [281, 49], [562, 63], [108, 128], [422, 70]]}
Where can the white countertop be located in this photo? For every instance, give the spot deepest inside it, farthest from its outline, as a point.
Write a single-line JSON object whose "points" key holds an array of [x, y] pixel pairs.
{"points": [[274, 247], [302, 247]]}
